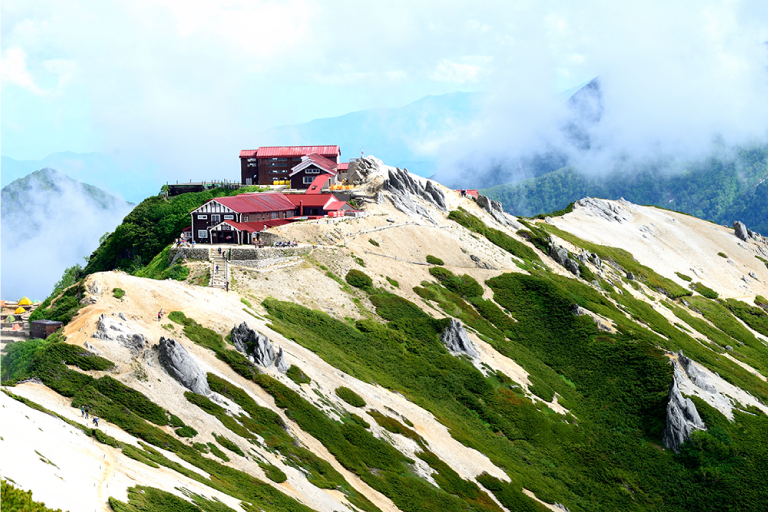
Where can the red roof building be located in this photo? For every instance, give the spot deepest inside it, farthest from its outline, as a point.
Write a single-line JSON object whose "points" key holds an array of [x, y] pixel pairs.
{"points": [[318, 184], [310, 167], [310, 205], [265, 165], [215, 221]]}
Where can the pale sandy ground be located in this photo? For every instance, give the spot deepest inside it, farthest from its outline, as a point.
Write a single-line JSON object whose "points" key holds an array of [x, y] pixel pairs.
{"points": [[675, 242]]}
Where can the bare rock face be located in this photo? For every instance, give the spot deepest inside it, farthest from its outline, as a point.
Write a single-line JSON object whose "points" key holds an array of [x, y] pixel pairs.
{"points": [[560, 255], [697, 376], [606, 210], [682, 419], [455, 339], [403, 187], [496, 210], [256, 347], [110, 329], [280, 363], [182, 366]]}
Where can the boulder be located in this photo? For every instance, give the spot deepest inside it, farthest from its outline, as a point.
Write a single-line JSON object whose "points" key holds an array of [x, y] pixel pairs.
{"points": [[110, 329], [94, 288], [455, 339], [682, 419], [496, 210], [561, 256], [182, 366], [280, 363], [741, 230], [254, 345]]}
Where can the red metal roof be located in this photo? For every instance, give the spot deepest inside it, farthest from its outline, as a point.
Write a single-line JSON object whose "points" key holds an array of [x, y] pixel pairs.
{"points": [[252, 227], [325, 201], [343, 166], [256, 203], [316, 187], [247, 153], [275, 151], [323, 163]]}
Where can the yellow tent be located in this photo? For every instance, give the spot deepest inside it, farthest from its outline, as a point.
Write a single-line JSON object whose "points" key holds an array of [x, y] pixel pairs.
{"points": [[19, 311], [25, 302]]}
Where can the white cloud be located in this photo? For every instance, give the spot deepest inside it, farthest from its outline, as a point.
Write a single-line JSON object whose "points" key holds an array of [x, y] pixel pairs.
{"points": [[467, 70], [14, 70]]}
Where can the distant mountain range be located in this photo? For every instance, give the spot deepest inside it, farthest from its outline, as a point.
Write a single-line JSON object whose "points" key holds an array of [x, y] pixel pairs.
{"points": [[408, 136], [49, 223]]}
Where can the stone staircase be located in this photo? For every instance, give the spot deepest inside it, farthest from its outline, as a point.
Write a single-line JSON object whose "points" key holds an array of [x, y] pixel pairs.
{"points": [[218, 279]]}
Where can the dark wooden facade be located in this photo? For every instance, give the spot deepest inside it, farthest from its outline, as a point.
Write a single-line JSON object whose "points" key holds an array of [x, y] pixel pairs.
{"points": [[266, 165], [43, 328], [213, 213], [304, 178]]}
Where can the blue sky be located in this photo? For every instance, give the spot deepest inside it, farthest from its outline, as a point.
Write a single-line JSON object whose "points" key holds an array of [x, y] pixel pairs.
{"points": [[187, 83]]}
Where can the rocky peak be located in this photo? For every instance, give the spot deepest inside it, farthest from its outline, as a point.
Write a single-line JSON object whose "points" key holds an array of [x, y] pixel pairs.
{"points": [[182, 366], [455, 339]]}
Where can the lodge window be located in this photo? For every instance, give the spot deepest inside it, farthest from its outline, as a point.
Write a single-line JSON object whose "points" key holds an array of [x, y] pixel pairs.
{"points": [[229, 217], [308, 180], [202, 233], [246, 218], [275, 215], [312, 171], [215, 218], [275, 171], [202, 217]]}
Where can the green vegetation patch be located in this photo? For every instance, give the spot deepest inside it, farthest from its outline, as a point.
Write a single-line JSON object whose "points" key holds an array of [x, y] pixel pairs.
{"points": [[350, 396], [160, 268], [722, 255], [186, 431], [704, 290], [13, 499], [434, 260], [506, 242], [118, 293], [393, 282], [465, 286], [683, 277], [149, 499], [296, 375], [755, 317], [373, 242], [273, 473], [393, 425], [201, 335], [359, 279], [63, 307], [229, 445]]}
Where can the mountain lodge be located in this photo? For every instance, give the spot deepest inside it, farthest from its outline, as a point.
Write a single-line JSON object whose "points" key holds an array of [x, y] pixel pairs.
{"points": [[266, 165]]}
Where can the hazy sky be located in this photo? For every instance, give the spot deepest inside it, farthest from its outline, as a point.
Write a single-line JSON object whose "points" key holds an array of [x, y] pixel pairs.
{"points": [[190, 83]]}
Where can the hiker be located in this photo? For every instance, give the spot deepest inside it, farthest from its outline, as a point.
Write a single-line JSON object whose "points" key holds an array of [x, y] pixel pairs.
{"points": [[227, 285], [86, 413], [160, 315], [219, 251], [82, 411], [217, 269], [96, 420]]}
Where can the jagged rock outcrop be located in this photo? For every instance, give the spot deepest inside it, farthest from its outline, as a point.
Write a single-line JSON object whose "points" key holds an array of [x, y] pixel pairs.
{"points": [[110, 329], [254, 345], [682, 418], [480, 263], [604, 209], [94, 288], [402, 187], [280, 363], [697, 376], [182, 366], [455, 339], [560, 255], [496, 210], [90, 348], [741, 230]]}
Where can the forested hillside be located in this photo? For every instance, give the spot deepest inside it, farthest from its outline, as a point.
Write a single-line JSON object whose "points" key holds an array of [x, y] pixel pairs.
{"points": [[721, 189]]}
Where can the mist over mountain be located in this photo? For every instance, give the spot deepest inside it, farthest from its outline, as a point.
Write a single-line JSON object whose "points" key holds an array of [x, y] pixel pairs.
{"points": [[127, 176], [410, 136], [49, 223]]}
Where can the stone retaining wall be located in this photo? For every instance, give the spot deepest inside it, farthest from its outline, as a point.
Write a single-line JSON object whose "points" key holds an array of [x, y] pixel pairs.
{"points": [[263, 263], [191, 253], [239, 254]]}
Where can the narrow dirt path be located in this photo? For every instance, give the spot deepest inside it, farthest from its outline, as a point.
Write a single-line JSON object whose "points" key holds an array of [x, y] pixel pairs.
{"points": [[108, 471]]}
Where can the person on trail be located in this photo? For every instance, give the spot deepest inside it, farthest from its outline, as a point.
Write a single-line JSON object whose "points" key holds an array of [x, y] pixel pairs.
{"points": [[160, 315], [219, 251], [217, 269], [82, 411], [86, 413], [227, 285], [96, 420]]}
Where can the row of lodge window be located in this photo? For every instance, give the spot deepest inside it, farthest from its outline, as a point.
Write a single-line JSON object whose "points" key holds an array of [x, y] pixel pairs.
{"points": [[278, 171]]}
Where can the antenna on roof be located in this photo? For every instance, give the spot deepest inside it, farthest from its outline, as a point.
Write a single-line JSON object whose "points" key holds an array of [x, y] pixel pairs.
{"points": [[362, 153]]}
